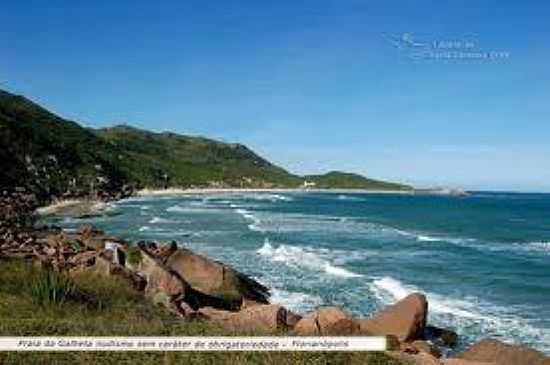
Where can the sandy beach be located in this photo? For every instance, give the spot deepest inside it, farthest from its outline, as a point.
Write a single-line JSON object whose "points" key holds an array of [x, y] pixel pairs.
{"points": [[196, 191], [58, 206], [73, 207]]}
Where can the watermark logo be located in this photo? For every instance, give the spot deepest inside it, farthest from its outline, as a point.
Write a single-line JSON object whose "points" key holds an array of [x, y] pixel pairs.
{"points": [[462, 48]]}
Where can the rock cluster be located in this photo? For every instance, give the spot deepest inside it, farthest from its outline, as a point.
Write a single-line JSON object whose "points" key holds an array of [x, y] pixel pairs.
{"points": [[16, 212], [194, 287], [495, 352]]}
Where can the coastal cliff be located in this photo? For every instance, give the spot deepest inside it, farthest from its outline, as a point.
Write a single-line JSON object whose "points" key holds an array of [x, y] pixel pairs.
{"points": [[46, 158], [55, 158]]}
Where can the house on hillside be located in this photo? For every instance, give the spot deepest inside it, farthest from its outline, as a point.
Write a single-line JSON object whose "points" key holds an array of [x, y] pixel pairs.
{"points": [[308, 184]]}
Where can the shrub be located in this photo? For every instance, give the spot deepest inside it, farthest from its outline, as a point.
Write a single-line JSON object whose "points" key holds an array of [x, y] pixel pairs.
{"points": [[134, 255], [51, 288]]}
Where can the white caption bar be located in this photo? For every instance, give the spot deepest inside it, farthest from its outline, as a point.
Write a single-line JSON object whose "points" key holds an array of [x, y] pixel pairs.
{"points": [[84, 343]]}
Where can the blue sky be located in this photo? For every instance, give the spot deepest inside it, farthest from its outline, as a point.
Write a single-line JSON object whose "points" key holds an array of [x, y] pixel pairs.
{"points": [[312, 85]]}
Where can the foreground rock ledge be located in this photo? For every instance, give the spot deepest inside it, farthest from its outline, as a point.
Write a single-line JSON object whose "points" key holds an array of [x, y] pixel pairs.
{"points": [[406, 319], [497, 352], [194, 287]]}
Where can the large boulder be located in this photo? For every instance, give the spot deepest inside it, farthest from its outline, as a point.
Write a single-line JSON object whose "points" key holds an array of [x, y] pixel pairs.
{"points": [[406, 319], [420, 358], [292, 319], [441, 336], [215, 279], [330, 321], [161, 278], [465, 362], [489, 350], [83, 259], [95, 239], [268, 318], [426, 347], [100, 264]]}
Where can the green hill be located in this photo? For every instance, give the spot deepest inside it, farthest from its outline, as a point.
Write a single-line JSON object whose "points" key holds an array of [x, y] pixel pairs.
{"points": [[175, 160], [346, 180], [51, 156]]}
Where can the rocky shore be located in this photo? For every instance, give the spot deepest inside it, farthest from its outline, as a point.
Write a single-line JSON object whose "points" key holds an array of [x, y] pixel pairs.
{"points": [[194, 288]]}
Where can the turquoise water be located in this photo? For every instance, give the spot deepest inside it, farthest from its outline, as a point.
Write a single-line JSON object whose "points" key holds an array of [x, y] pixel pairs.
{"points": [[483, 260]]}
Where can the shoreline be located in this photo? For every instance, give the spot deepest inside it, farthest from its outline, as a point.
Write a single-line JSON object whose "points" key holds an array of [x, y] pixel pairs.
{"points": [[72, 207], [58, 206], [201, 191], [416, 343], [85, 206]]}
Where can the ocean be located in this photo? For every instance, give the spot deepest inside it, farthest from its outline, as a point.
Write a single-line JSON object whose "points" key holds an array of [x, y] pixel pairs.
{"points": [[483, 260]]}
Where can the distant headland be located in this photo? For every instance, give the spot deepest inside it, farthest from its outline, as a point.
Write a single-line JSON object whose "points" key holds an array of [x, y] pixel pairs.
{"points": [[55, 159]]}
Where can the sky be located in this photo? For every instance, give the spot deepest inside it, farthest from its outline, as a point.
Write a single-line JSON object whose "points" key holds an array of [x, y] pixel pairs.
{"points": [[432, 93]]}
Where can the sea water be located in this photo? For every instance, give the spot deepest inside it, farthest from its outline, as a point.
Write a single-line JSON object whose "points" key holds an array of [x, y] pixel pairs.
{"points": [[483, 260]]}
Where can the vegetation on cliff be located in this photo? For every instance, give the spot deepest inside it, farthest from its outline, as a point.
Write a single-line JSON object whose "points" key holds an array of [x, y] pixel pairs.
{"points": [[51, 156], [157, 159], [346, 180]]}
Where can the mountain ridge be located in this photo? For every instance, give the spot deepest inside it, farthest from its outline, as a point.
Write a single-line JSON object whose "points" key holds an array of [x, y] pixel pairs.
{"points": [[52, 157]]}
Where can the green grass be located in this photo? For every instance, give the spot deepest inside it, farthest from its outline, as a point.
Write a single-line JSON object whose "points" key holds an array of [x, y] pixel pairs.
{"points": [[110, 307], [51, 288], [133, 254]]}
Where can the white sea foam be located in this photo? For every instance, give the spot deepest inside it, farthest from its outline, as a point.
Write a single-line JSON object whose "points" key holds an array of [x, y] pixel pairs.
{"points": [[342, 257], [255, 225], [157, 220], [157, 231], [522, 247], [134, 199], [201, 203], [176, 209], [423, 238], [404, 233], [536, 246], [389, 289], [193, 208], [317, 224], [453, 240], [222, 202], [350, 198], [301, 257], [103, 207], [295, 301], [466, 315], [270, 197]]}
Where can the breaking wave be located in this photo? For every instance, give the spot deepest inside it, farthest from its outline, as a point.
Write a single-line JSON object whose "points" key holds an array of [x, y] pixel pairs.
{"points": [[255, 225], [295, 301], [269, 197], [469, 316], [350, 198], [156, 220], [193, 208], [536, 246], [300, 257]]}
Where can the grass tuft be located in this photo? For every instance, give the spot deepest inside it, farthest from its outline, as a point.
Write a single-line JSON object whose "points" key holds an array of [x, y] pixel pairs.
{"points": [[92, 305], [51, 288]]}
